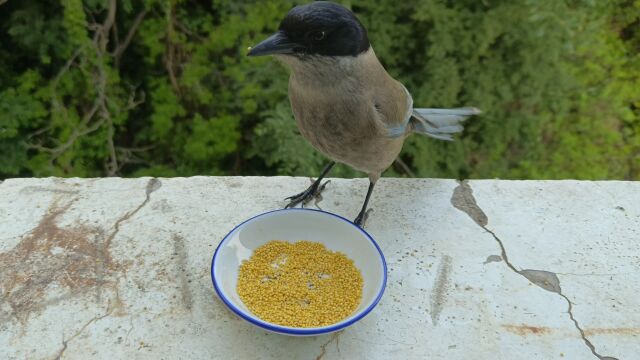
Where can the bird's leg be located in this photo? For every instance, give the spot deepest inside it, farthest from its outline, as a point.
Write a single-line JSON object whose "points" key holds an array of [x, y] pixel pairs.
{"points": [[312, 191], [363, 213]]}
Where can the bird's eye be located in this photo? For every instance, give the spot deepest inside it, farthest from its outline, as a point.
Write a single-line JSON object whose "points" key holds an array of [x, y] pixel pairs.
{"points": [[316, 35]]}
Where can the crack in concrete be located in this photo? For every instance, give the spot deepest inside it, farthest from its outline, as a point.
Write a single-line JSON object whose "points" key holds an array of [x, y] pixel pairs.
{"points": [[153, 185], [66, 342], [544, 279], [334, 337], [596, 274], [502, 250], [584, 337], [463, 200]]}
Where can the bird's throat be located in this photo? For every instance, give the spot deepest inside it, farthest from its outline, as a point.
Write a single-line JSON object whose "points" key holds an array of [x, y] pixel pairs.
{"points": [[330, 71]]}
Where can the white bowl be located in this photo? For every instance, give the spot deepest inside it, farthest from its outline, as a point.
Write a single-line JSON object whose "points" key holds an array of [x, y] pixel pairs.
{"points": [[335, 232]]}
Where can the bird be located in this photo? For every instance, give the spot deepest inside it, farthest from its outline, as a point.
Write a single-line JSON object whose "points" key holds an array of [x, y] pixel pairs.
{"points": [[345, 103]]}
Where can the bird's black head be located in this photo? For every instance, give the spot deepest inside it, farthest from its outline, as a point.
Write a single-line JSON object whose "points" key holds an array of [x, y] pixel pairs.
{"points": [[319, 28]]}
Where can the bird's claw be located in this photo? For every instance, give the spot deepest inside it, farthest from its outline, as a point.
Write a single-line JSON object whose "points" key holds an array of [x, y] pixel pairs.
{"points": [[362, 217], [304, 197]]}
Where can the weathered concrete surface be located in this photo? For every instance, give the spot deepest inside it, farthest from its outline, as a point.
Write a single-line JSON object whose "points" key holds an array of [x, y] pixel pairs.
{"points": [[113, 268]]}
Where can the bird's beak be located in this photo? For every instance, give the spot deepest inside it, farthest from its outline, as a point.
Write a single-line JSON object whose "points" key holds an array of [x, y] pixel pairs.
{"points": [[277, 43]]}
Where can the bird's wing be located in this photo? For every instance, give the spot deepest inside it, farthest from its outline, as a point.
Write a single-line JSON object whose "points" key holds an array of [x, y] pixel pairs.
{"points": [[395, 106]]}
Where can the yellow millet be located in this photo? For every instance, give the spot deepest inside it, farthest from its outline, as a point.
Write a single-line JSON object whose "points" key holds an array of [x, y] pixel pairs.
{"points": [[300, 284]]}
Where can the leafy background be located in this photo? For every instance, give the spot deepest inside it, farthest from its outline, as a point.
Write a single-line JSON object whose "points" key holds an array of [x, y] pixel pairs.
{"points": [[163, 88]]}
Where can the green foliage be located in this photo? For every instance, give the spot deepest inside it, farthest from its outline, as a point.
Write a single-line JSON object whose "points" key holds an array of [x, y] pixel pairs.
{"points": [[163, 88], [281, 146]]}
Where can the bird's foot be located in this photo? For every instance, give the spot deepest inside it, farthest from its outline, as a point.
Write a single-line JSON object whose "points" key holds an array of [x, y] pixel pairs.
{"points": [[304, 197], [361, 219]]}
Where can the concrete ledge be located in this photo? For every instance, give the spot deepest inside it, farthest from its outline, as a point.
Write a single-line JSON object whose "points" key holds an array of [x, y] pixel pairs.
{"points": [[119, 268]]}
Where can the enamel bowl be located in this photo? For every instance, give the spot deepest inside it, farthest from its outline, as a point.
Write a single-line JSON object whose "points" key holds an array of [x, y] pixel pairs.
{"points": [[335, 232]]}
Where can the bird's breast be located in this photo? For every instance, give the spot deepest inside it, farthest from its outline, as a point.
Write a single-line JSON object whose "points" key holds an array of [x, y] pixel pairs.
{"points": [[344, 125]]}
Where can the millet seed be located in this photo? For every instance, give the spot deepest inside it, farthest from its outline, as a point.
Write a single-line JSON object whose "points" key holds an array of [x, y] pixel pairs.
{"points": [[301, 284]]}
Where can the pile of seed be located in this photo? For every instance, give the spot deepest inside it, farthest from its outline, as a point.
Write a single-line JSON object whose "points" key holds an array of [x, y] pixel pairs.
{"points": [[300, 284]]}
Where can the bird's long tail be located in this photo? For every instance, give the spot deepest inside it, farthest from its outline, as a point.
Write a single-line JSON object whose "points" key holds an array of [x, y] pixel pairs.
{"points": [[440, 123]]}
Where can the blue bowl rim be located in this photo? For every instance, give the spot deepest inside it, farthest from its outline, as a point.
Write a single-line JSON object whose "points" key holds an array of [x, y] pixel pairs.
{"points": [[300, 331]]}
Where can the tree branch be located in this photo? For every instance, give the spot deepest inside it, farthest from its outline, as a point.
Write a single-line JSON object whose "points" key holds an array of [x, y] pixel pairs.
{"points": [[170, 51], [112, 167], [127, 40], [405, 167], [108, 23], [186, 30]]}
